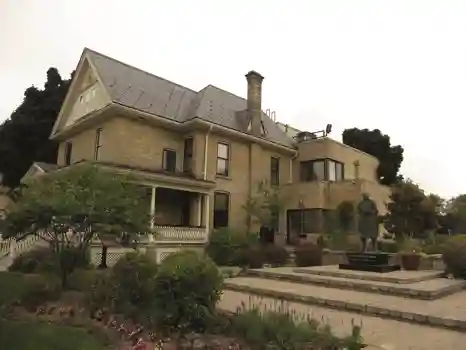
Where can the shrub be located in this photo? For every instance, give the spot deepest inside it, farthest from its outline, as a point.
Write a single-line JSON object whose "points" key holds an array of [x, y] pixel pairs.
{"points": [[433, 248], [38, 290], [35, 260], [188, 286], [44, 260], [275, 255], [388, 246], [308, 254], [82, 280], [454, 256], [285, 329], [129, 285], [250, 256], [224, 245]]}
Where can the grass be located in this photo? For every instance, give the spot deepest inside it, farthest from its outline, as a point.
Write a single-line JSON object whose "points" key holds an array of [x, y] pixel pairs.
{"points": [[43, 336], [36, 334]]}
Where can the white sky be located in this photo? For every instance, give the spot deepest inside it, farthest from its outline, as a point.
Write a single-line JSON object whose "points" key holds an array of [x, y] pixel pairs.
{"points": [[396, 65]]}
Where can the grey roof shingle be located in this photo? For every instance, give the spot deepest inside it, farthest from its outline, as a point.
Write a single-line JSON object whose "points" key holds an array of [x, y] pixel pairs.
{"points": [[141, 90]]}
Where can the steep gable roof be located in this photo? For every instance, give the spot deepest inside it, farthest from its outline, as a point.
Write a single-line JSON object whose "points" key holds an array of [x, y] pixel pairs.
{"points": [[149, 93]]}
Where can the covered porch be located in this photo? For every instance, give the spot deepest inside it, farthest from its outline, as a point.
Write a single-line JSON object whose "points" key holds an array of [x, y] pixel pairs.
{"points": [[179, 215]]}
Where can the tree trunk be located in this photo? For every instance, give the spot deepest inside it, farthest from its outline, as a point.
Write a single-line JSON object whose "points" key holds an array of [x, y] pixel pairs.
{"points": [[103, 260]]}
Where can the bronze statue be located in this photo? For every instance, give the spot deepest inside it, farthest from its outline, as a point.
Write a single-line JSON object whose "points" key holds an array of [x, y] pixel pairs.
{"points": [[368, 225]]}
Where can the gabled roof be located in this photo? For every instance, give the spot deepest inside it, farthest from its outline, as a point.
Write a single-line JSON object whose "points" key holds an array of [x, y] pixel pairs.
{"points": [[135, 88]]}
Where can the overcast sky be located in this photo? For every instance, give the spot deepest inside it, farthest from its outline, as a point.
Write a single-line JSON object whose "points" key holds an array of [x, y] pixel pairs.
{"points": [[396, 65]]}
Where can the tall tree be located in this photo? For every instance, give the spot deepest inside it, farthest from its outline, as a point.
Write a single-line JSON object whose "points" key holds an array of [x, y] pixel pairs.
{"points": [[24, 137], [377, 144], [455, 218], [68, 208], [410, 212]]}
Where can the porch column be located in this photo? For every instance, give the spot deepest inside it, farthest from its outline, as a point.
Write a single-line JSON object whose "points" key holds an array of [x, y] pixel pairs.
{"points": [[207, 214], [200, 200], [152, 207]]}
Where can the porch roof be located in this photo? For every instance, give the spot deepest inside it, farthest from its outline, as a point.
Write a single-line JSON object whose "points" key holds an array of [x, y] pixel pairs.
{"points": [[179, 181], [150, 177]]}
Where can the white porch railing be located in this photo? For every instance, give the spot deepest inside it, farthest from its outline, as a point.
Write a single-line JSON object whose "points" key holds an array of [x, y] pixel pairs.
{"points": [[10, 247], [180, 234]]}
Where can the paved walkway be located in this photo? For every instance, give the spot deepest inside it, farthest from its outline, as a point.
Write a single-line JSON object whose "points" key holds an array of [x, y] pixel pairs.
{"points": [[377, 332], [451, 307]]}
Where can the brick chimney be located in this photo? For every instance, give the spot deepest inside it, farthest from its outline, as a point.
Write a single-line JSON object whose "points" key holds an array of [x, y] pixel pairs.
{"points": [[254, 107]]}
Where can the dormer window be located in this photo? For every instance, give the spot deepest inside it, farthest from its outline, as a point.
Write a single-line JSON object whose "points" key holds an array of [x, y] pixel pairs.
{"points": [[87, 95]]}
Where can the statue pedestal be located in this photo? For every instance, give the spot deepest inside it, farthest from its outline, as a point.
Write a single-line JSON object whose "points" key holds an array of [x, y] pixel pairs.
{"points": [[369, 261]]}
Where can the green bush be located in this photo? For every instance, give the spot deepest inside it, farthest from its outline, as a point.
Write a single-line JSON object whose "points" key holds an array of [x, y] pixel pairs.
{"points": [[387, 246], [225, 243], [251, 256], [188, 286], [276, 255], [44, 260], [433, 248], [127, 287], [38, 290], [35, 260], [308, 254], [284, 329], [83, 279], [454, 256]]}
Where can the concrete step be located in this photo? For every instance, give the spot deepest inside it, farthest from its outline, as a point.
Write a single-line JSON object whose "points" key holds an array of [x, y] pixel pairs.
{"points": [[400, 276], [378, 333], [425, 290], [448, 312]]}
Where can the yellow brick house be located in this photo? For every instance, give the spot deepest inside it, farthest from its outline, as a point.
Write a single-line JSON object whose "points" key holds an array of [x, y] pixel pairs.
{"points": [[201, 153]]}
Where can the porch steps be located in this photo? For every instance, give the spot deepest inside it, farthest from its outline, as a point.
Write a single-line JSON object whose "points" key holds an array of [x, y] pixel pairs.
{"points": [[445, 311]]}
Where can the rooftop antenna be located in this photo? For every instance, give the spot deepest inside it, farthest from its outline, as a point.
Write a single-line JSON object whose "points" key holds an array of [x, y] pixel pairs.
{"points": [[274, 116], [328, 129]]}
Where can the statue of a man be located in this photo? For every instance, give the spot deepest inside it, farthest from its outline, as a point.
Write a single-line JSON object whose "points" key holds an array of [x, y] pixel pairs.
{"points": [[368, 224]]}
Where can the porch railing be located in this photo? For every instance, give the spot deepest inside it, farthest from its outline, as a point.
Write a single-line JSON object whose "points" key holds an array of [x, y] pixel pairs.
{"points": [[180, 233], [12, 247]]}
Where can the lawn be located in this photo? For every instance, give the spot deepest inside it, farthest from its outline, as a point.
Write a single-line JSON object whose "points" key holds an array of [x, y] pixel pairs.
{"points": [[43, 336]]}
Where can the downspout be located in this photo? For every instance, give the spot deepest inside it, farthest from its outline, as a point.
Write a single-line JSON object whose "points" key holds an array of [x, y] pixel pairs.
{"points": [[291, 166], [207, 196], [206, 148]]}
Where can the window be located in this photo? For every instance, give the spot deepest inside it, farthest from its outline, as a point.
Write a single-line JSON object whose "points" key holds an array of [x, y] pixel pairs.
{"points": [[322, 170], [188, 155], [68, 151], [335, 171], [313, 170], [221, 209], [303, 221], [98, 143], [223, 158], [274, 171], [169, 160]]}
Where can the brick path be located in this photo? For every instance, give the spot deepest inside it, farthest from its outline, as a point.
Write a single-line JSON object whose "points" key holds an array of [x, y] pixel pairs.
{"points": [[378, 332]]}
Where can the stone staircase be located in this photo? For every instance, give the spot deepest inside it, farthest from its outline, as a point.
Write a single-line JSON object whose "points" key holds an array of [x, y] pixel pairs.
{"points": [[422, 298]]}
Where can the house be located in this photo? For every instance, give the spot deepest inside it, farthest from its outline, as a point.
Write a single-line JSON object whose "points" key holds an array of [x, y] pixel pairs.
{"points": [[201, 153]]}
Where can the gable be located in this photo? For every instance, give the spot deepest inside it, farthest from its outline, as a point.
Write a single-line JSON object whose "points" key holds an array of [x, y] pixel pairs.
{"points": [[85, 95]]}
